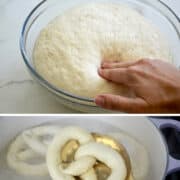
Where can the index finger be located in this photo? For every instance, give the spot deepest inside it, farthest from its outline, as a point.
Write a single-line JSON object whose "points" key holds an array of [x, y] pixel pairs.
{"points": [[117, 64], [119, 75]]}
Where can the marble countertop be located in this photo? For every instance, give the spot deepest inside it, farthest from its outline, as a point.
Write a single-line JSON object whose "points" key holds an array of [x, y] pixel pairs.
{"points": [[18, 92]]}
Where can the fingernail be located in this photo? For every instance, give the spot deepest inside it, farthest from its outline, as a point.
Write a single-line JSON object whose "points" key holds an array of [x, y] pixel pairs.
{"points": [[100, 101]]}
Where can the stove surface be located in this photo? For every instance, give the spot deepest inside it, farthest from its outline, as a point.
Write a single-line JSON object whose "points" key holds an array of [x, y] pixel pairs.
{"points": [[172, 137]]}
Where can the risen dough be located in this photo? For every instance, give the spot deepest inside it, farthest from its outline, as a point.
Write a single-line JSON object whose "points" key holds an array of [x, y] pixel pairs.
{"points": [[69, 49]]}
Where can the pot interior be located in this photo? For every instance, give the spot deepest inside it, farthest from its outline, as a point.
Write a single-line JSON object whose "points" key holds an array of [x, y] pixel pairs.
{"points": [[139, 127]]}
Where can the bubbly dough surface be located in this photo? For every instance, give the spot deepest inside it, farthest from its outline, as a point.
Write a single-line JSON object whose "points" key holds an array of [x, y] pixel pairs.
{"points": [[70, 49]]}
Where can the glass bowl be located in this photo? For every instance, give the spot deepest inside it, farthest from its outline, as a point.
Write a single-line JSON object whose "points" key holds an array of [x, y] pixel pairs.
{"points": [[155, 10]]}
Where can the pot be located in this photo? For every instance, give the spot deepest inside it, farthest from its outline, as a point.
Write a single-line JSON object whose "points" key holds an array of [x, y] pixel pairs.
{"points": [[173, 164], [141, 128]]}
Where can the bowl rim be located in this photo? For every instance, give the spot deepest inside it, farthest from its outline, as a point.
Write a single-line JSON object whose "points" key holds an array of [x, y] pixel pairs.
{"points": [[170, 9], [82, 100]]}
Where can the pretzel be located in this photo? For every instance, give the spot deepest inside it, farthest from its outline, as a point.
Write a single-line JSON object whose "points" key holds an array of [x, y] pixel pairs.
{"points": [[54, 160], [27, 146], [85, 157], [107, 155], [32, 137], [19, 153], [34, 143]]}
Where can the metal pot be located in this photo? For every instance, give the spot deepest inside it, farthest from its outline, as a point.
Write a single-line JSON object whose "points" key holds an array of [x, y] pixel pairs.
{"points": [[143, 129]]}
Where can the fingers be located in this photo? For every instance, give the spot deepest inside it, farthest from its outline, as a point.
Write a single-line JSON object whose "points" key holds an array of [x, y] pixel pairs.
{"points": [[124, 104], [117, 64], [120, 64], [125, 72], [116, 75]]}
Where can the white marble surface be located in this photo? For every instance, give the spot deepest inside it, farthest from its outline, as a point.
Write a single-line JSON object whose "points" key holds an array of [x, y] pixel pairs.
{"points": [[18, 93]]}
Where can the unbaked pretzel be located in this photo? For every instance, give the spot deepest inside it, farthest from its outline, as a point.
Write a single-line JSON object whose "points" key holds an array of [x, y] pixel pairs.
{"points": [[85, 157], [18, 155], [27, 146]]}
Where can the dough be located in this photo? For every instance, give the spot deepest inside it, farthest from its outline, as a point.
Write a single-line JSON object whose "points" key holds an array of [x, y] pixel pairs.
{"points": [[70, 49], [137, 152]]}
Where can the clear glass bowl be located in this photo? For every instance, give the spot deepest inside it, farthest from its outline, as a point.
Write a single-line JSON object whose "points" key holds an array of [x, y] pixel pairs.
{"points": [[158, 12]]}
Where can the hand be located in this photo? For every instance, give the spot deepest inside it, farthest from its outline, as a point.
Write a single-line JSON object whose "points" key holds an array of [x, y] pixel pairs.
{"points": [[156, 85]]}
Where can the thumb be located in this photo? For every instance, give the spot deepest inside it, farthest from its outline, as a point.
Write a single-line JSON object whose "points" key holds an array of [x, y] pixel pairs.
{"points": [[119, 103]]}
